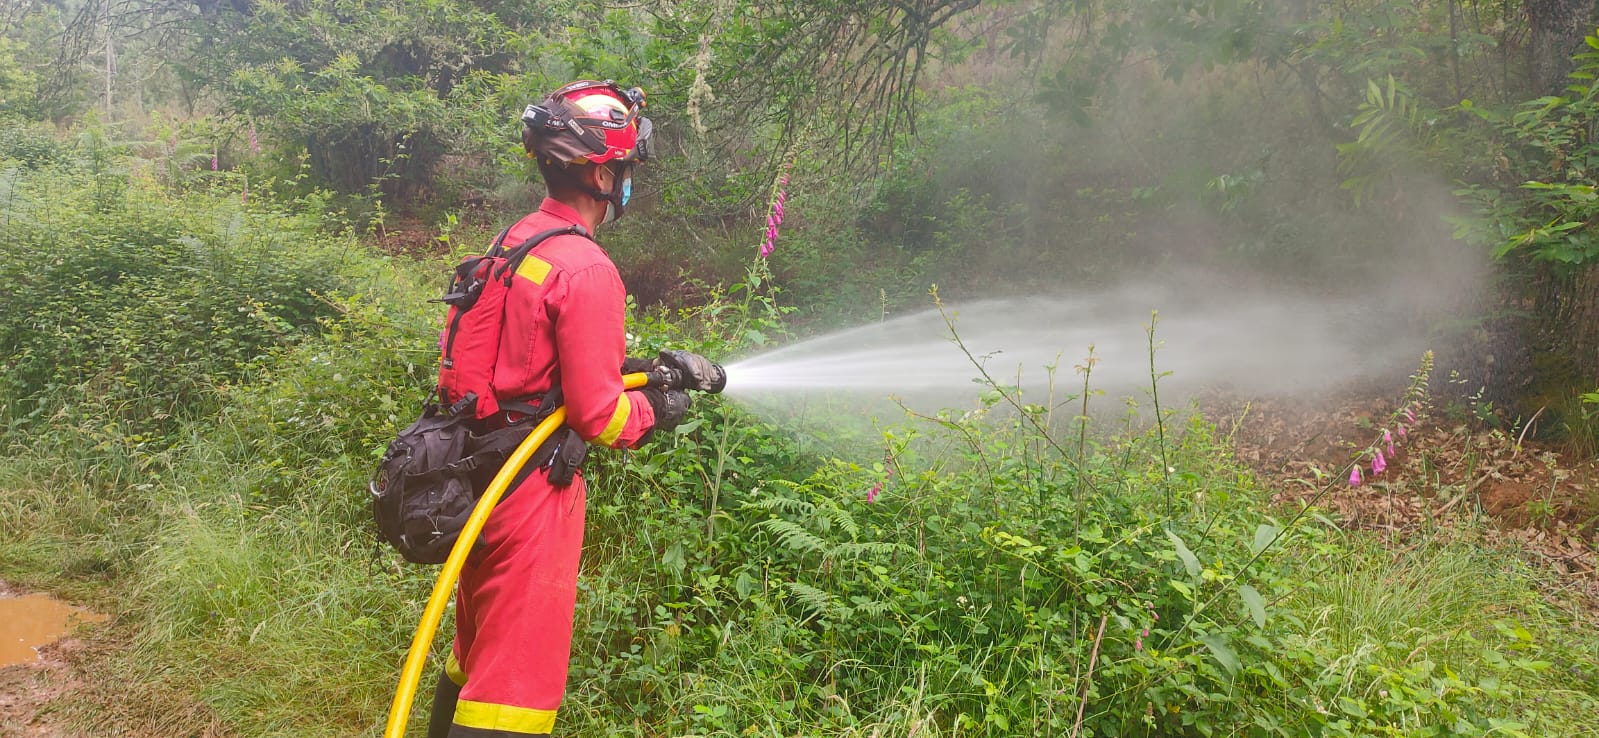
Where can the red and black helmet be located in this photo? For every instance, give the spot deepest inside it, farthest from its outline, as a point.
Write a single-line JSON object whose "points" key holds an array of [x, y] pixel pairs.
{"points": [[589, 122]]}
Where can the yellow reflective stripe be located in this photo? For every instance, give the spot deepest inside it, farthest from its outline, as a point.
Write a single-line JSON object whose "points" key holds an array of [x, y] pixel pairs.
{"points": [[452, 669], [613, 429], [534, 268], [489, 716]]}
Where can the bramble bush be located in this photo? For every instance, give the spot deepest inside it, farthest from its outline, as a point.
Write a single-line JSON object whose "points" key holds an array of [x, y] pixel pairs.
{"points": [[128, 302]]}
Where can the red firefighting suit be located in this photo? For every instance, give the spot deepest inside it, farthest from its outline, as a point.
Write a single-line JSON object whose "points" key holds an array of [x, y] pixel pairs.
{"points": [[518, 590]]}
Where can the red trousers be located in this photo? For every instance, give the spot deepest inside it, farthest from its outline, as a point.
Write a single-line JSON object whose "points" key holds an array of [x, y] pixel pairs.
{"points": [[513, 612]]}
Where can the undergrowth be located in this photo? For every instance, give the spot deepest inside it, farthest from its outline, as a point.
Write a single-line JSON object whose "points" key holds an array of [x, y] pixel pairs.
{"points": [[1007, 568]]}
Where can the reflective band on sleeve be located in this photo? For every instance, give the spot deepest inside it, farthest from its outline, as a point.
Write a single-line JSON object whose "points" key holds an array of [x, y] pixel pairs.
{"points": [[613, 429], [489, 716], [534, 268], [452, 669]]}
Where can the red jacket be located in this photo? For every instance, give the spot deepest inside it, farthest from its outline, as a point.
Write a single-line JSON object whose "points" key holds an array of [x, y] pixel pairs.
{"points": [[564, 322]]}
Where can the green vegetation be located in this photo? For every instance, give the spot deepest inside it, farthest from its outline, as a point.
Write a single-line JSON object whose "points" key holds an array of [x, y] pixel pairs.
{"points": [[994, 572], [207, 348]]}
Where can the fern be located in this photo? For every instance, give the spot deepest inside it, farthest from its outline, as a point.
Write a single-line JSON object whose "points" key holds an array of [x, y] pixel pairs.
{"points": [[831, 514], [793, 536], [868, 608], [871, 550], [785, 505], [818, 601]]}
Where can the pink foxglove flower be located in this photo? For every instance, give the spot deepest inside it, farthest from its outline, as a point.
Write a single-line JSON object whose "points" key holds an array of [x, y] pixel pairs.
{"points": [[1402, 434], [1388, 437], [1354, 476], [871, 494], [774, 218], [213, 158], [1410, 414], [1378, 463]]}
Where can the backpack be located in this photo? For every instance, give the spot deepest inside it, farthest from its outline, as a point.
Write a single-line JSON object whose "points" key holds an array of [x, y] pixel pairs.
{"points": [[471, 341], [431, 474]]}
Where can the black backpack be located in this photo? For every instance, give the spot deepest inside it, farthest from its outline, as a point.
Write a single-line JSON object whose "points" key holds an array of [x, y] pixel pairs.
{"points": [[430, 476]]}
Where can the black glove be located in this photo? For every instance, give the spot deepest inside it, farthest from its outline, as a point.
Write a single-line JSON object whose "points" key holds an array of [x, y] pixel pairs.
{"points": [[696, 372], [670, 406], [634, 365]]}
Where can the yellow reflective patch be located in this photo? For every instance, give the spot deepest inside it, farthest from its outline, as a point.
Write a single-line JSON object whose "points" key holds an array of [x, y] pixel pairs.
{"points": [[489, 716], [534, 269], [452, 669], [613, 429]]}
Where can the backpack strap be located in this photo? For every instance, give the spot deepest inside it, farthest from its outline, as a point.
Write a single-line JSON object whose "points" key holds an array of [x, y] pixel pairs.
{"points": [[498, 248], [514, 257]]}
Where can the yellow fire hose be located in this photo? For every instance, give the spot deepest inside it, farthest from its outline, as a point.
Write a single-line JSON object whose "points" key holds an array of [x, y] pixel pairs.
{"points": [[415, 659]]}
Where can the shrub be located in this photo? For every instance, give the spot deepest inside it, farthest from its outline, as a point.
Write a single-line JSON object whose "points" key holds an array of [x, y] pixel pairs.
{"points": [[127, 304]]}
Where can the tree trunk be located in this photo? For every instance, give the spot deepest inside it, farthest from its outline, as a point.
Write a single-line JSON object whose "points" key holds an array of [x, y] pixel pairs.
{"points": [[1558, 27]]}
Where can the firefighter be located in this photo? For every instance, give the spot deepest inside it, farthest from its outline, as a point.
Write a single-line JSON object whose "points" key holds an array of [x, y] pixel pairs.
{"points": [[506, 673]]}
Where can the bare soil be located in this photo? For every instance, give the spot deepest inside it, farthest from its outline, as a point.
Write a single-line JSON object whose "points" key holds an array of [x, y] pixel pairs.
{"points": [[62, 695], [27, 692], [1445, 476]]}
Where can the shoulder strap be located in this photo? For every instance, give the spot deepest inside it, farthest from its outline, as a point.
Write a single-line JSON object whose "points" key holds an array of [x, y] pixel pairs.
{"points": [[498, 249], [513, 257]]}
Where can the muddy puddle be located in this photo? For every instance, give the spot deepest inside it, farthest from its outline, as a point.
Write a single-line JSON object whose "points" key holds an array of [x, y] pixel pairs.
{"points": [[30, 621]]}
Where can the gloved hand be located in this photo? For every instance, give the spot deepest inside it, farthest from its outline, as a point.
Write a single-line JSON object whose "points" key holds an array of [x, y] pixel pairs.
{"points": [[670, 406], [634, 364], [696, 372]]}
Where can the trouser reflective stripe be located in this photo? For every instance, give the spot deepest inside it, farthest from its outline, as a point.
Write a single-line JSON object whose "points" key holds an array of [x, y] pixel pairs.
{"points": [[452, 670], [507, 719]]}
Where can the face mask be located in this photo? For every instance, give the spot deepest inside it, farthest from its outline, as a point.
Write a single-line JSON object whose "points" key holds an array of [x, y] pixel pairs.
{"points": [[612, 212]]}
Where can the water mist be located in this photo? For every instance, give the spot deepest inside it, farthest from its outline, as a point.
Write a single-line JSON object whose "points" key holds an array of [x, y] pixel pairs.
{"points": [[1254, 344]]}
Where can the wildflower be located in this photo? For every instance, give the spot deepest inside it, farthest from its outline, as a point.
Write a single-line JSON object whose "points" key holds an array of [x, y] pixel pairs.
{"points": [[1378, 463], [871, 494], [213, 158], [1410, 413], [774, 219], [1402, 434], [1138, 640], [1388, 437], [1354, 476]]}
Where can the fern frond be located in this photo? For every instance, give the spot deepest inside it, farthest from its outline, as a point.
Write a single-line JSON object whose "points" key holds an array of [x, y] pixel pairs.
{"points": [[869, 550], [787, 505], [837, 516], [869, 608], [818, 601], [792, 536]]}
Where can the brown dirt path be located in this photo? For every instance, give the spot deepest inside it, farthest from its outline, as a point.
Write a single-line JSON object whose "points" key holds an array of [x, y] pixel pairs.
{"points": [[68, 693]]}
